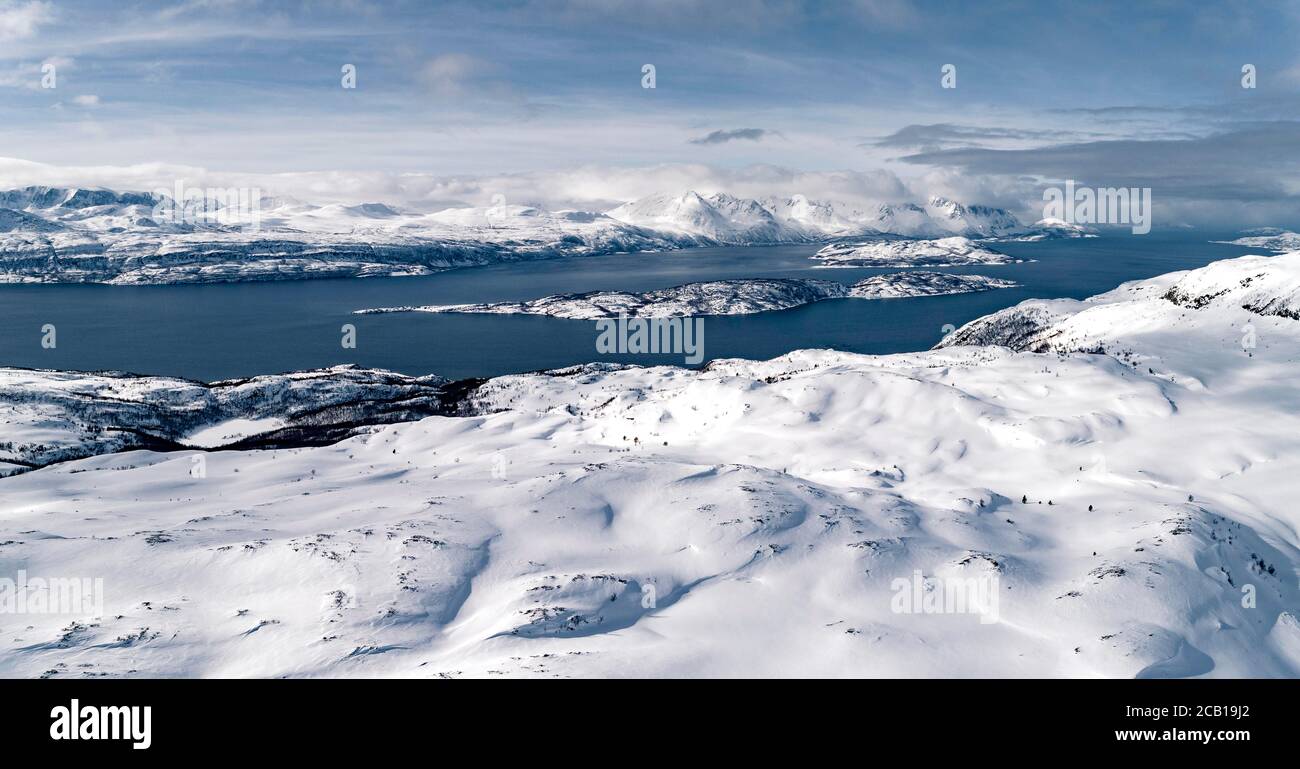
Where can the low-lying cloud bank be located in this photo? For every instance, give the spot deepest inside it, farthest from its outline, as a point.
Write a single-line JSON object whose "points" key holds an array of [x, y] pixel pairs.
{"points": [[1232, 180]]}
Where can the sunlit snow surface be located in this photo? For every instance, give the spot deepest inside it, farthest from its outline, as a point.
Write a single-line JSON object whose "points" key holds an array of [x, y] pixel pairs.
{"points": [[769, 506]]}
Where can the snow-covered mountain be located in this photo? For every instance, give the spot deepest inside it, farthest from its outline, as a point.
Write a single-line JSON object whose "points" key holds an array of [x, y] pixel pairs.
{"points": [[722, 218], [718, 218], [1226, 296], [818, 217], [972, 221], [54, 235], [80, 235], [71, 198], [1133, 510], [722, 297], [1056, 229]]}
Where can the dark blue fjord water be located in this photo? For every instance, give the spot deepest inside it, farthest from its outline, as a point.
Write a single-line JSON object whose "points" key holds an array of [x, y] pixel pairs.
{"points": [[242, 329]]}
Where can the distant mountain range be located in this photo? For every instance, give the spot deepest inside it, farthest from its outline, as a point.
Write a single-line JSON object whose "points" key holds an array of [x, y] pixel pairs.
{"points": [[77, 235], [723, 218]]}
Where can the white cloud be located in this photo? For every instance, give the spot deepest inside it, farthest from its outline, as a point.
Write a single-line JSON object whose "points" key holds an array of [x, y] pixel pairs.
{"points": [[451, 73], [601, 187], [20, 20], [195, 7], [587, 187], [87, 100], [30, 75], [1290, 77]]}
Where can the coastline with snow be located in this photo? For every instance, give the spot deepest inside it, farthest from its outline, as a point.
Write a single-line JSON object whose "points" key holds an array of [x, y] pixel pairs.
{"points": [[721, 297], [1121, 465], [71, 235]]}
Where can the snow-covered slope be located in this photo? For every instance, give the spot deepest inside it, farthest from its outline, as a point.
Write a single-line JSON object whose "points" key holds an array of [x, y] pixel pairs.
{"points": [[718, 218], [722, 297], [66, 236], [1269, 239], [1055, 229], [722, 218], [973, 221], [900, 285], [1243, 299], [817, 218], [1134, 512], [715, 297], [52, 416], [880, 252]]}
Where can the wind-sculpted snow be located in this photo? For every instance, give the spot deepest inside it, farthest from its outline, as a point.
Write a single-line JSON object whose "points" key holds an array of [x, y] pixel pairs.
{"points": [[1133, 512], [55, 235], [721, 297], [944, 252]]}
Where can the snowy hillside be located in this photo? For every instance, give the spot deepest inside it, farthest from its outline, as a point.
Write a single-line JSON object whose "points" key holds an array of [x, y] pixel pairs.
{"points": [[115, 240], [899, 285], [1269, 239], [1055, 229], [718, 218], [941, 252], [974, 221], [57, 235], [716, 297], [1251, 299], [722, 218], [1134, 510], [52, 416], [722, 297]]}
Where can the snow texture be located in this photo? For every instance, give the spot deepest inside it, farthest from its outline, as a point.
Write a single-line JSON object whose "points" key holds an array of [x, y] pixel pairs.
{"points": [[1136, 509]]}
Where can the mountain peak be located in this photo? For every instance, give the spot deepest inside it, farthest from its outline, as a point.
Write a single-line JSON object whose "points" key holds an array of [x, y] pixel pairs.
{"points": [[724, 218], [42, 197]]}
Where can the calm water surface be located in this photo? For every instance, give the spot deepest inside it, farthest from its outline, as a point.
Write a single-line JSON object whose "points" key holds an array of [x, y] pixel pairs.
{"points": [[242, 329]]}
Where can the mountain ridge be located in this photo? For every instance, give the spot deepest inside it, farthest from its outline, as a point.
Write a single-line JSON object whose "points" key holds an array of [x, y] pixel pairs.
{"points": [[95, 235]]}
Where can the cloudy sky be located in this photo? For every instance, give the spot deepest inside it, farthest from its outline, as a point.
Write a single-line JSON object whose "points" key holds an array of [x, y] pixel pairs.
{"points": [[542, 100]]}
